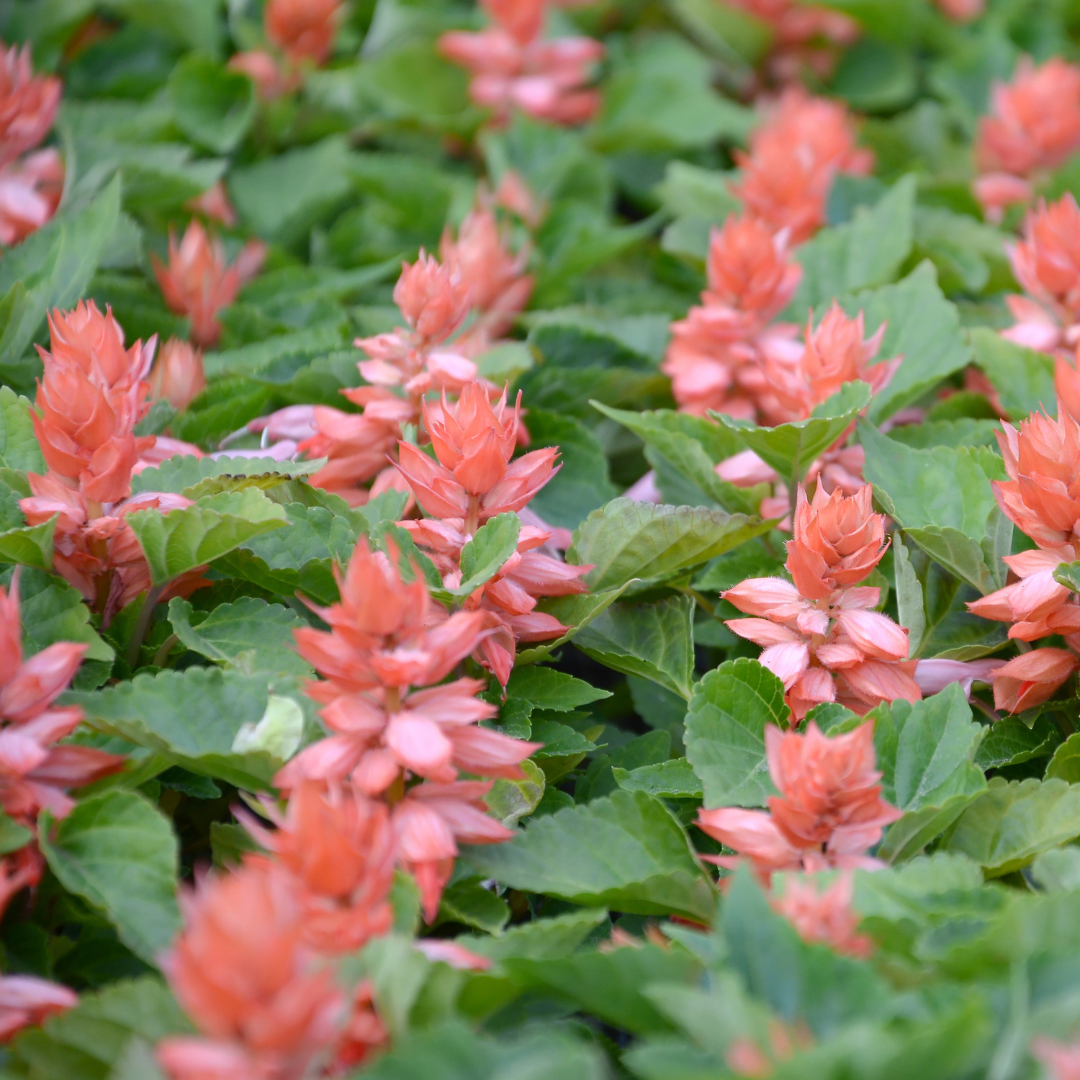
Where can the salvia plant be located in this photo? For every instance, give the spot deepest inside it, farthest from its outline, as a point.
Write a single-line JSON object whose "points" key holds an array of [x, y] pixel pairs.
{"points": [[539, 540]]}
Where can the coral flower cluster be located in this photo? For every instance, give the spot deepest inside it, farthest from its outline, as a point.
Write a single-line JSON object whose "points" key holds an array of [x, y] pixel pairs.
{"points": [[478, 280], [1042, 499], [1046, 263], [828, 813], [36, 772], [471, 481], [248, 969], [89, 399], [514, 68], [1033, 127], [197, 282], [301, 35], [793, 157], [820, 634], [387, 651], [805, 37], [31, 180]]}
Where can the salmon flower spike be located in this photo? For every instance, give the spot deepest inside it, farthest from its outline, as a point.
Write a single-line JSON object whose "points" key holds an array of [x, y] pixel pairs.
{"points": [[1061, 1060], [804, 36], [197, 282], [430, 821], [513, 69], [1033, 126], [498, 286], [473, 477], [820, 634], [26, 1001], [1036, 605], [1032, 677], [508, 599], [30, 191], [339, 847], [1046, 262], [716, 354], [794, 155], [178, 375], [303, 29], [825, 916], [28, 103], [386, 638], [263, 1002], [1042, 495], [829, 812], [836, 353], [35, 773]]}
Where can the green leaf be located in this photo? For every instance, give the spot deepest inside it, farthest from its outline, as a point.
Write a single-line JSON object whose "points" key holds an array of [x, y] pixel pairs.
{"points": [[1068, 574], [943, 499], [484, 555], [691, 191], [1023, 378], [627, 540], [30, 545], [922, 327], [192, 717], [1010, 741], [211, 105], [556, 691], [864, 252], [575, 612], [118, 852], [1015, 820], [18, 445], [85, 1042], [454, 1052], [674, 779], [874, 76], [250, 633], [469, 903], [625, 852], [182, 540], [13, 836], [281, 197], [725, 732], [511, 800], [792, 448], [582, 484], [909, 597], [694, 447], [926, 752], [1065, 764], [188, 476], [54, 266], [655, 641], [661, 100], [609, 984], [300, 557]]}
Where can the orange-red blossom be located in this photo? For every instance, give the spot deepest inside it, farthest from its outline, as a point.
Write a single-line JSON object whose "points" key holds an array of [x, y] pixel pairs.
{"points": [[28, 103], [178, 375], [829, 811], [197, 282], [1046, 262], [1033, 126], [716, 356], [388, 639], [820, 634], [824, 916], [1042, 498], [512, 68], [91, 395]]}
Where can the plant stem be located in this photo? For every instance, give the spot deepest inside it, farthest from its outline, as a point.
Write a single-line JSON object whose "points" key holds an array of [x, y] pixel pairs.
{"points": [[162, 655], [142, 624]]}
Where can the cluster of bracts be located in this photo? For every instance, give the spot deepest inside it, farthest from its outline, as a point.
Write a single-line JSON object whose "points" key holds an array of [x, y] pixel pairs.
{"points": [[400, 779]]}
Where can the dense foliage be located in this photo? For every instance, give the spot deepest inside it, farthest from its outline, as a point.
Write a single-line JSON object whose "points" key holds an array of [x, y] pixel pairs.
{"points": [[539, 540]]}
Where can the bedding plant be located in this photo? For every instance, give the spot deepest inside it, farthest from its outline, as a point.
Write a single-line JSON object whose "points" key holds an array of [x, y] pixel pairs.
{"points": [[540, 539]]}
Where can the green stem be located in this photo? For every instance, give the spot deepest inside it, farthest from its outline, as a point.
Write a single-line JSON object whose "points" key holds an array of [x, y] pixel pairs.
{"points": [[162, 655], [142, 624]]}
